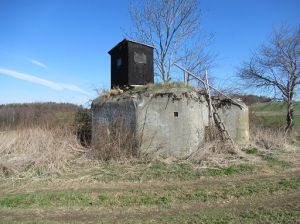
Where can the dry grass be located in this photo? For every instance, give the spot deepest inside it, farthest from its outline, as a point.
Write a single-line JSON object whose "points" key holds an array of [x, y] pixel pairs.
{"points": [[270, 135], [50, 115], [263, 139], [40, 138], [37, 150], [111, 93], [151, 87], [115, 142], [270, 139], [215, 153]]}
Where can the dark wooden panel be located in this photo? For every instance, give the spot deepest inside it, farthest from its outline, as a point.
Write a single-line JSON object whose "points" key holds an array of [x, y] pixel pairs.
{"points": [[131, 64], [119, 65]]}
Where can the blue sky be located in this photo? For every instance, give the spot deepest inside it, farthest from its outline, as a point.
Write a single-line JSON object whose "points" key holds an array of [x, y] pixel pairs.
{"points": [[56, 50]]}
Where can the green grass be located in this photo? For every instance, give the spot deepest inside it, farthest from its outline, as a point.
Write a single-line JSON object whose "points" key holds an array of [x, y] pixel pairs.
{"points": [[275, 162], [289, 213], [270, 159], [229, 170], [26, 222], [54, 199], [273, 114], [153, 171], [187, 172], [297, 122], [277, 121], [238, 191], [163, 85], [160, 171], [147, 197], [270, 120], [251, 151], [274, 107]]}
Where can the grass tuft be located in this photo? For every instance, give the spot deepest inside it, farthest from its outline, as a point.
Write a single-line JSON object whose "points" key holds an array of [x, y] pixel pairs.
{"points": [[162, 171], [163, 85], [273, 162], [251, 151], [230, 170]]}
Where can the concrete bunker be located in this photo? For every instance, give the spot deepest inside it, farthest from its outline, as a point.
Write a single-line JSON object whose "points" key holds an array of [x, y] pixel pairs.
{"points": [[170, 122]]}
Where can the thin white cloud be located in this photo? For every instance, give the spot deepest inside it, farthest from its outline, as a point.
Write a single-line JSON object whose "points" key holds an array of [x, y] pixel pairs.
{"points": [[40, 81], [38, 63]]}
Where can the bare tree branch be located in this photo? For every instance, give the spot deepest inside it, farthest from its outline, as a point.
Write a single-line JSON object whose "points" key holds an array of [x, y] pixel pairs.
{"points": [[276, 65], [172, 26]]}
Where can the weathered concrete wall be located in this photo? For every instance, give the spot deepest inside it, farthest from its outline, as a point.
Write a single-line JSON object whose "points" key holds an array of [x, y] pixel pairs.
{"points": [[107, 112], [236, 121], [171, 122], [110, 111], [168, 122]]}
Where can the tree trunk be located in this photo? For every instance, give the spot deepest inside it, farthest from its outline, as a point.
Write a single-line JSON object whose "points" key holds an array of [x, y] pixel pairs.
{"points": [[290, 116]]}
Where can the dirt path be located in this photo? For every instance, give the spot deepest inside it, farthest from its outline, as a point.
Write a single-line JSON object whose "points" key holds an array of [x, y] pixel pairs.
{"points": [[175, 212], [121, 215], [78, 185]]}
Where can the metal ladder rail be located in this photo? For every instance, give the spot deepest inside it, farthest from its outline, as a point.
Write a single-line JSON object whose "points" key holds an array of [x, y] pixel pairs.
{"points": [[210, 109], [218, 121], [213, 114], [221, 126]]}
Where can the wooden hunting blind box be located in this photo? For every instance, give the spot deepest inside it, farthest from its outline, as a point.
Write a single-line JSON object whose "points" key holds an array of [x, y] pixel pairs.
{"points": [[131, 64]]}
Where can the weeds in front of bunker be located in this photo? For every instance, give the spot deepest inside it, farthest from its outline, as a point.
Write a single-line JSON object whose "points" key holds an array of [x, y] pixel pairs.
{"points": [[39, 149], [41, 139], [270, 136], [115, 141]]}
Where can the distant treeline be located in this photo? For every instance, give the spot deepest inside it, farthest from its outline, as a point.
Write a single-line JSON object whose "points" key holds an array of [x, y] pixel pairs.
{"points": [[251, 99], [37, 114], [66, 116]]}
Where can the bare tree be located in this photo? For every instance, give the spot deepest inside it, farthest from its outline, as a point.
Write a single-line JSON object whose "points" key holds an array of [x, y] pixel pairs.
{"points": [[275, 67], [172, 27]]}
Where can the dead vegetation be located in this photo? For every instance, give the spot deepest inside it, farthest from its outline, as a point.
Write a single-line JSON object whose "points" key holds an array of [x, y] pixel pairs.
{"points": [[41, 138], [115, 142], [57, 148], [38, 151], [48, 115], [146, 88], [271, 137], [214, 153], [48, 176]]}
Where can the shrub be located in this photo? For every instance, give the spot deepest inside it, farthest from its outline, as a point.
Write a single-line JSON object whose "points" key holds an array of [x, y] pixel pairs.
{"points": [[116, 141], [83, 126], [43, 115]]}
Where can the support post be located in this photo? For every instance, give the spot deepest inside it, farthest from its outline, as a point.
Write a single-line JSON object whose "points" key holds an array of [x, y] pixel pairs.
{"points": [[210, 109]]}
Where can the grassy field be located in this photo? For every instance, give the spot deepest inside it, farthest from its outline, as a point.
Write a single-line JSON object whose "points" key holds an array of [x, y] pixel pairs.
{"points": [[258, 185], [265, 191], [274, 113]]}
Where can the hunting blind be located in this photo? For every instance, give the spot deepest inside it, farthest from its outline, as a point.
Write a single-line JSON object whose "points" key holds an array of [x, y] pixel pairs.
{"points": [[131, 64]]}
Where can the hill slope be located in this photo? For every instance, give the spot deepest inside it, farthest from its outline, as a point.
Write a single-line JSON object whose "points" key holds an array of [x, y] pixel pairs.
{"points": [[37, 114], [274, 113]]}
